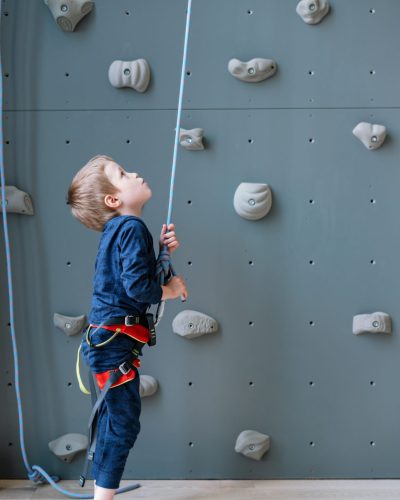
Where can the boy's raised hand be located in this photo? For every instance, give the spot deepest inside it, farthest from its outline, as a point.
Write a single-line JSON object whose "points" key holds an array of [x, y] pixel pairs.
{"points": [[169, 238]]}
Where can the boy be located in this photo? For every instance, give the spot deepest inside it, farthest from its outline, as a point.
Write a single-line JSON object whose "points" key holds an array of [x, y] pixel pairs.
{"points": [[104, 197]]}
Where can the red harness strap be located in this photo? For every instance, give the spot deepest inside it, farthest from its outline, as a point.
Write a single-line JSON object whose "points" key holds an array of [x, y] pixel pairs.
{"points": [[137, 332]]}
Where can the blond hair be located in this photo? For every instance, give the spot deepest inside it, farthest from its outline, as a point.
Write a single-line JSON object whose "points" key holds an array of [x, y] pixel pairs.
{"points": [[87, 191]]}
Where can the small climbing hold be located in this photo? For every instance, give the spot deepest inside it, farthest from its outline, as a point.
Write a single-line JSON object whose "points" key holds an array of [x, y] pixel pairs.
{"points": [[68, 445], [191, 139], [252, 444], [68, 13], [371, 135], [253, 71], [191, 324], [134, 74], [70, 325], [17, 201], [377, 322], [148, 386], [252, 201], [312, 11]]}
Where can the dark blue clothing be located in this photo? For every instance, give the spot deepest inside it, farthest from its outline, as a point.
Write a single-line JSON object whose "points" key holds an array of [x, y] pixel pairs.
{"points": [[124, 283], [124, 280]]}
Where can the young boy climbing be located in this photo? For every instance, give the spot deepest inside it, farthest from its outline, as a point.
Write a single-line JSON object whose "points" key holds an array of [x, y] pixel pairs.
{"points": [[107, 198]]}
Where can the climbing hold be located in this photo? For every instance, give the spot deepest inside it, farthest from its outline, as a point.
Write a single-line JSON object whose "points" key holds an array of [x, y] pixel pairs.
{"points": [[252, 201], [312, 11], [17, 201], [371, 135], [377, 322], [191, 139], [134, 74], [68, 13], [252, 444], [68, 445], [148, 386], [255, 70], [70, 325], [191, 324]]}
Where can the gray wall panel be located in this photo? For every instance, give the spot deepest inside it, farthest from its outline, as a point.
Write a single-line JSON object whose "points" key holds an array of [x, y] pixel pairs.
{"points": [[246, 376]]}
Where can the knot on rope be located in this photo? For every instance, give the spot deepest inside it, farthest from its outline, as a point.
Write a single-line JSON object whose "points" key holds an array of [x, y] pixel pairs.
{"points": [[36, 477], [164, 269]]}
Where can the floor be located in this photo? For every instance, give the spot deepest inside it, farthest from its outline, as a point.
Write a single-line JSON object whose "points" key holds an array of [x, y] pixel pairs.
{"points": [[349, 489]]}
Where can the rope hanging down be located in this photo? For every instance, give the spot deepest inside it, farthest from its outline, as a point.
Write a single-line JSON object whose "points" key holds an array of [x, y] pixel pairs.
{"points": [[164, 267]]}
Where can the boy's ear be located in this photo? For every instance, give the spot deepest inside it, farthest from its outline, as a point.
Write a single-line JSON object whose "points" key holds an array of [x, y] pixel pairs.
{"points": [[112, 201]]}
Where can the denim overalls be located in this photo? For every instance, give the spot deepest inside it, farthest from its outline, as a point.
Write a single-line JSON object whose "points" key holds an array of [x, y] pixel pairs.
{"points": [[124, 283]]}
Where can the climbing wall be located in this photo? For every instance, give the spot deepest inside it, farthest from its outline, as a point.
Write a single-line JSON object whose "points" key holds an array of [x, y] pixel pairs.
{"points": [[284, 288]]}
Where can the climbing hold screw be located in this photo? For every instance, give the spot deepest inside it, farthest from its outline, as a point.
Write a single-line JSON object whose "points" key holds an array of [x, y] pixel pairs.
{"points": [[127, 71], [252, 202], [250, 71], [375, 324], [251, 447], [190, 325], [68, 447], [68, 325], [374, 138], [312, 6], [64, 7]]}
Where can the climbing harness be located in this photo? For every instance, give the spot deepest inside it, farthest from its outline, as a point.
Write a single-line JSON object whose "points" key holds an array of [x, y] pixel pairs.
{"points": [[141, 329], [164, 267]]}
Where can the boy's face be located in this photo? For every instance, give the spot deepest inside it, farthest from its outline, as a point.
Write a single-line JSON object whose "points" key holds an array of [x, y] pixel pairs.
{"points": [[133, 191]]}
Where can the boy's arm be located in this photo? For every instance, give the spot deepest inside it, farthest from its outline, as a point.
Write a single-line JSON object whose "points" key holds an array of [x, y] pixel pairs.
{"points": [[135, 259]]}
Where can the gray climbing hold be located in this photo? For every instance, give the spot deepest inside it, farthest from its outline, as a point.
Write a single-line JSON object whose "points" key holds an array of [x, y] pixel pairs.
{"points": [[312, 11], [191, 324], [191, 139], [68, 445], [68, 13], [70, 325], [148, 386], [17, 201], [134, 74], [371, 135], [253, 71], [377, 322], [252, 201], [252, 444]]}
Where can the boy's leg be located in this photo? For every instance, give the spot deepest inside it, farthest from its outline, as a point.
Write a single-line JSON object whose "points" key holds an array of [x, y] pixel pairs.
{"points": [[122, 426], [103, 493]]}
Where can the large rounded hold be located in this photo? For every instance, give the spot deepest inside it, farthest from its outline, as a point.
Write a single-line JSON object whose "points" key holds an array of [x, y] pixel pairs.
{"points": [[191, 324], [312, 11], [134, 74], [68, 445], [252, 444], [371, 135], [377, 322], [252, 71], [148, 386], [17, 201], [68, 13], [252, 201]]}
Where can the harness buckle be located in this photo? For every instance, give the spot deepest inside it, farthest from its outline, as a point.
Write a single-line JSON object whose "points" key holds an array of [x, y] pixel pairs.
{"points": [[125, 367], [132, 320]]}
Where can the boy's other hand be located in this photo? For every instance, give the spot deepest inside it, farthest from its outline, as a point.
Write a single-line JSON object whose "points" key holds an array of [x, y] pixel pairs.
{"points": [[169, 238], [175, 287]]}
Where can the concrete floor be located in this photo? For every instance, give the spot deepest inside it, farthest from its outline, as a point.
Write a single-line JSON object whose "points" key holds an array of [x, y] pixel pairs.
{"points": [[349, 489]]}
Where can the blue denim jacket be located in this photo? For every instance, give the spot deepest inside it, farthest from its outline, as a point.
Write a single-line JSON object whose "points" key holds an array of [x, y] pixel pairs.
{"points": [[124, 280]]}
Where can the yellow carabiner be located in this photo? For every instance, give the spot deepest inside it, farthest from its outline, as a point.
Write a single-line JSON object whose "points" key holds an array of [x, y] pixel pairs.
{"points": [[101, 343], [78, 374]]}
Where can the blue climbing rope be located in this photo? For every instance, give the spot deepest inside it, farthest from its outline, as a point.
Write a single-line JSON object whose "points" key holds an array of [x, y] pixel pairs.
{"points": [[164, 266]]}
